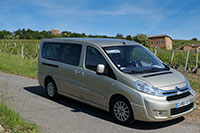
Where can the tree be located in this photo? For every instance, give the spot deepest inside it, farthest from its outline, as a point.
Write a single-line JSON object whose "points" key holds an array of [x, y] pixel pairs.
{"points": [[83, 35], [119, 36], [194, 39], [46, 34], [141, 38], [1, 35], [18, 33], [5, 34], [128, 37]]}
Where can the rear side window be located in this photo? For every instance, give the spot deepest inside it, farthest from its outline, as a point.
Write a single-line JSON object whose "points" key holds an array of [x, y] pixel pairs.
{"points": [[62, 52], [71, 53], [51, 51]]}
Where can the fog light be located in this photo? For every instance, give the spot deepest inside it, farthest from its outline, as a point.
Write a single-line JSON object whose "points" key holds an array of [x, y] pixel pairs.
{"points": [[160, 113]]}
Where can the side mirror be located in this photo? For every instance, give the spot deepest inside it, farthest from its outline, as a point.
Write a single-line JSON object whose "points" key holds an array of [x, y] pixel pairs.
{"points": [[100, 69]]}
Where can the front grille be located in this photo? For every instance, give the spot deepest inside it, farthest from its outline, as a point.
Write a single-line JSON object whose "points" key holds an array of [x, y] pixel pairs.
{"points": [[175, 111], [183, 89], [175, 97], [175, 91]]}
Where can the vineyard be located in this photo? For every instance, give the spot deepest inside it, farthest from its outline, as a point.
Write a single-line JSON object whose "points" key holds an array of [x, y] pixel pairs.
{"points": [[177, 59], [180, 60], [26, 48]]}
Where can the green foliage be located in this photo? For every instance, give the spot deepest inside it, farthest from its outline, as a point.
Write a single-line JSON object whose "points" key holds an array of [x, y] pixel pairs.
{"points": [[14, 47], [129, 38], [179, 58], [141, 38], [194, 39], [165, 56], [31, 34], [119, 36], [5, 34]]}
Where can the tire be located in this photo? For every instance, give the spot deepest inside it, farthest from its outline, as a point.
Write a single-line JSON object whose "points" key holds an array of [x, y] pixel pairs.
{"points": [[51, 89], [121, 111]]}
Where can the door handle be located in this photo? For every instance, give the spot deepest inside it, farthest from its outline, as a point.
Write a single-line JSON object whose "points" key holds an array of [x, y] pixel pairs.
{"points": [[83, 74], [77, 72]]}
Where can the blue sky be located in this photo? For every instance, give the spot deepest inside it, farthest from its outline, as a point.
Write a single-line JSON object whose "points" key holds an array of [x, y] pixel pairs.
{"points": [[179, 19]]}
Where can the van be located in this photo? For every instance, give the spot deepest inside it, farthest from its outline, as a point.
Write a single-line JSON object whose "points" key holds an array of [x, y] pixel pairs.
{"points": [[119, 76]]}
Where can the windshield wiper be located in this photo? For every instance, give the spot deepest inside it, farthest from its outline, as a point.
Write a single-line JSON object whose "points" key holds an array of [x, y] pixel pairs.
{"points": [[157, 69], [154, 69], [136, 72]]}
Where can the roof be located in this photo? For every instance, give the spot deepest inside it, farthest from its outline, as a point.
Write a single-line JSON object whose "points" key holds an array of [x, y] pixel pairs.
{"points": [[102, 42], [159, 36]]}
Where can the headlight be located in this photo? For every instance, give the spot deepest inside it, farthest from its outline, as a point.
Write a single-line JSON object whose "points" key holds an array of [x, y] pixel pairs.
{"points": [[143, 87], [187, 83]]}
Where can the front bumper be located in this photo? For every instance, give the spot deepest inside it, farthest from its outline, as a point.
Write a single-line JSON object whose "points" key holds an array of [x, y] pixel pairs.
{"points": [[159, 109]]}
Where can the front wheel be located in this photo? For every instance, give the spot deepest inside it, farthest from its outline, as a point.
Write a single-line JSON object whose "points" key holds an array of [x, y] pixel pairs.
{"points": [[122, 111]]}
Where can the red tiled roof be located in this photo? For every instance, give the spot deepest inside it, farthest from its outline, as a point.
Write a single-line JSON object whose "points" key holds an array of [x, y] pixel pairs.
{"points": [[159, 36]]}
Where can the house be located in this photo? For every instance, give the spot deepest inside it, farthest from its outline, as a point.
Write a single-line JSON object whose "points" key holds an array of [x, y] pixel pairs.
{"points": [[162, 41], [191, 47], [55, 32]]}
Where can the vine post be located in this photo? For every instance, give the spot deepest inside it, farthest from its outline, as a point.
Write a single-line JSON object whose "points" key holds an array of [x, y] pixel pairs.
{"points": [[186, 62], [23, 51], [196, 66], [172, 56]]}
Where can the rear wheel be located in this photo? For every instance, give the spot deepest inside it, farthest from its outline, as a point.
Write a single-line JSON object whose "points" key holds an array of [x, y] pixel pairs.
{"points": [[51, 89], [122, 111]]}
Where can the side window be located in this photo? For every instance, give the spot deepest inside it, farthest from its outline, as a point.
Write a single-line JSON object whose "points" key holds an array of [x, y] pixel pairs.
{"points": [[93, 58], [71, 54], [51, 51]]}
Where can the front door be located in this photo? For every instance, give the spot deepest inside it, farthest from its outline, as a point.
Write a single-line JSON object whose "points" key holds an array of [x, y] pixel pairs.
{"points": [[94, 86]]}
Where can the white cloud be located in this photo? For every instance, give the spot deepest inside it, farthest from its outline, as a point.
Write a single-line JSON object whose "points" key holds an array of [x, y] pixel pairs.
{"points": [[54, 9]]}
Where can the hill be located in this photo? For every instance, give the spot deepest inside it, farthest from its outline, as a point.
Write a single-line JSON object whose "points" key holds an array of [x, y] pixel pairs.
{"points": [[180, 43]]}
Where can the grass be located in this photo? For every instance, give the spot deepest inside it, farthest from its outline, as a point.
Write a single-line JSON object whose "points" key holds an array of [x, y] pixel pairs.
{"points": [[195, 84], [16, 65], [12, 121]]}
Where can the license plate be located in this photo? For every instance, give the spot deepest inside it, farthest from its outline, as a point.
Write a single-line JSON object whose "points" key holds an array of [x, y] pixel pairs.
{"points": [[182, 103]]}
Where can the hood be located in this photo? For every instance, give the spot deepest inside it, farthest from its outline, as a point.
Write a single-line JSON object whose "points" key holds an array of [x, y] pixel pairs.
{"points": [[162, 79]]}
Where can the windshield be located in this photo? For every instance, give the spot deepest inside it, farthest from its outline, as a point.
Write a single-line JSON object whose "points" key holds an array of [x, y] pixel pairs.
{"points": [[134, 59]]}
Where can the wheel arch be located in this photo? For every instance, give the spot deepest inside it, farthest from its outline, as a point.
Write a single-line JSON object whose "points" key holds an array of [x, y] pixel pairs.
{"points": [[114, 96], [131, 118], [47, 78]]}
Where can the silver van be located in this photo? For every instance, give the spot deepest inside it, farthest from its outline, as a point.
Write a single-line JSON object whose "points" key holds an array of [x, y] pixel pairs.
{"points": [[118, 76]]}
